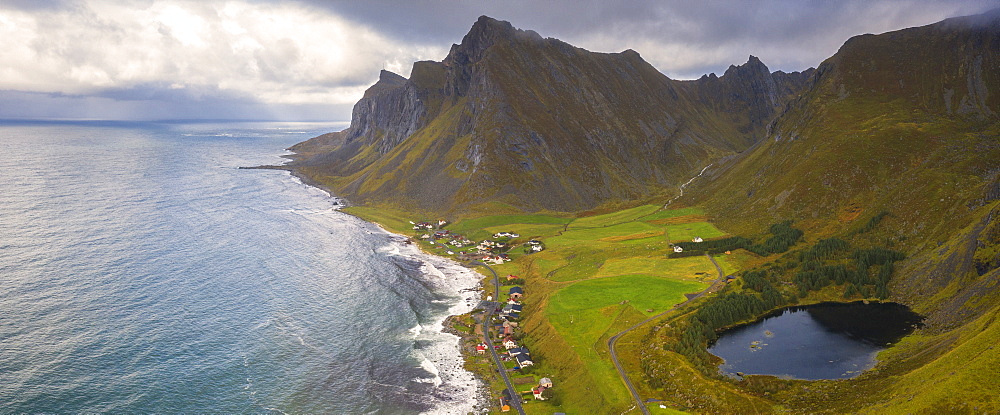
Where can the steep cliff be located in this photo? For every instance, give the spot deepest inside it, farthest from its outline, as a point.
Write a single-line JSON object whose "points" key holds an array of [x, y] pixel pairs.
{"points": [[536, 123]]}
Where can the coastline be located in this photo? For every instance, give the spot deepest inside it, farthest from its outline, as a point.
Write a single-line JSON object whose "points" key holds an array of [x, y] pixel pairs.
{"points": [[402, 245]]}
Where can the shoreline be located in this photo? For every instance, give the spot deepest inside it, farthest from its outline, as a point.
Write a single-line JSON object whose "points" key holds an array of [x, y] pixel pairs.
{"points": [[483, 395]]}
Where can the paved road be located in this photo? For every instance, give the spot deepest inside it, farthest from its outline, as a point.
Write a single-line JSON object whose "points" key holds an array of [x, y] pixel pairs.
{"points": [[490, 307], [614, 339]]}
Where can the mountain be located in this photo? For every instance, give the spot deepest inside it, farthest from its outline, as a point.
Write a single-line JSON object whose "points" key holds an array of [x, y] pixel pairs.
{"points": [[892, 142], [904, 122], [536, 123], [895, 143]]}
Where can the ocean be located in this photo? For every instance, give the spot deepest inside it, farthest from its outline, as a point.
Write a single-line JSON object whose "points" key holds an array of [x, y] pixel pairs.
{"points": [[142, 271]]}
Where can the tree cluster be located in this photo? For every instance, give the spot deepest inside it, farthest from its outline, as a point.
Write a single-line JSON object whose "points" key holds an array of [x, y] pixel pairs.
{"points": [[715, 246], [872, 223], [783, 236]]}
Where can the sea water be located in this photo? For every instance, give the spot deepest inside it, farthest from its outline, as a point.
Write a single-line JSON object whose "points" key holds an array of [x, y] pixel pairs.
{"points": [[142, 271]]}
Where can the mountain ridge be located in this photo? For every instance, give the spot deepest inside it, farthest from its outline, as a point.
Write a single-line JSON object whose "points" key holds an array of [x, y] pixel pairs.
{"points": [[509, 105]]}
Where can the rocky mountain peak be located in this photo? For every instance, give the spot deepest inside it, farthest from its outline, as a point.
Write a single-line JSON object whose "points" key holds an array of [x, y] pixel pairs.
{"points": [[386, 81], [484, 33], [753, 67]]}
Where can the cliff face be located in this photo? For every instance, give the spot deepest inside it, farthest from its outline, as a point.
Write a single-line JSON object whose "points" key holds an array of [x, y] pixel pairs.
{"points": [[389, 112], [536, 123]]}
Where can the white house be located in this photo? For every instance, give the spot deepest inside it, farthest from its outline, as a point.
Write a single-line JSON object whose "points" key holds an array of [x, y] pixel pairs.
{"points": [[537, 391], [508, 343], [678, 249]]}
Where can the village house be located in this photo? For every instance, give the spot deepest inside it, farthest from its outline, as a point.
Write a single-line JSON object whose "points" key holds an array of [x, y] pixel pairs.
{"points": [[511, 311], [508, 343], [537, 391], [697, 239], [516, 293], [523, 359], [481, 348], [495, 259], [545, 383], [460, 241], [678, 249], [536, 246], [508, 327], [422, 226], [505, 235]]}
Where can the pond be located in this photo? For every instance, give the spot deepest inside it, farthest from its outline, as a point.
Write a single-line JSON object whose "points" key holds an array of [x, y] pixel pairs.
{"points": [[822, 341]]}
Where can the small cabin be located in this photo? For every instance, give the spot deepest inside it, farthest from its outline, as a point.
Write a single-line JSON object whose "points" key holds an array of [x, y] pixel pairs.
{"points": [[516, 293], [545, 382], [537, 391]]}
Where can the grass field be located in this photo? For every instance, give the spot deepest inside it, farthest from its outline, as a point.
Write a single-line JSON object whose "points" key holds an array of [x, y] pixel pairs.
{"points": [[688, 231], [690, 268], [608, 219], [644, 292]]}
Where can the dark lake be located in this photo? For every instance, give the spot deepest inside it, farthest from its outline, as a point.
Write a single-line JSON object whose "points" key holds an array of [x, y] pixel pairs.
{"points": [[822, 341]]}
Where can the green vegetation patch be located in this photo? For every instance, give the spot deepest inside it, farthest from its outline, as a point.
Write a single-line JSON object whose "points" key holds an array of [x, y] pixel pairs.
{"points": [[688, 231], [574, 237], [673, 213], [581, 262], [586, 332], [392, 220], [614, 218], [681, 268], [527, 230], [644, 292], [505, 220], [728, 266]]}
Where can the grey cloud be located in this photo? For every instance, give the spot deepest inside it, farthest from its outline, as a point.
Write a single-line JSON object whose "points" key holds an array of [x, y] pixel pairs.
{"points": [[287, 70], [788, 35], [152, 105]]}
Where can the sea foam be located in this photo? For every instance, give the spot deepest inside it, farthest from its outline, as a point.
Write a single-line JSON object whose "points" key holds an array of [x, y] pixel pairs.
{"points": [[455, 389]]}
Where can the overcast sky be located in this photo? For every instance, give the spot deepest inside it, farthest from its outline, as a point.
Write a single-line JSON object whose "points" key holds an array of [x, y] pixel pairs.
{"points": [[311, 60]]}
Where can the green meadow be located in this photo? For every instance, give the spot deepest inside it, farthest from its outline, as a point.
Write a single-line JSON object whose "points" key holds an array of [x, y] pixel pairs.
{"points": [[643, 292], [599, 275]]}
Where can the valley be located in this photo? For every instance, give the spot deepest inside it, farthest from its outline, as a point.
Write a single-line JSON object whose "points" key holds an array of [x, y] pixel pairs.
{"points": [[873, 177]]}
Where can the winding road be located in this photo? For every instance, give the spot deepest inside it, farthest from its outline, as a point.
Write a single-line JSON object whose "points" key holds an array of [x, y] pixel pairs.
{"points": [[614, 339], [490, 307]]}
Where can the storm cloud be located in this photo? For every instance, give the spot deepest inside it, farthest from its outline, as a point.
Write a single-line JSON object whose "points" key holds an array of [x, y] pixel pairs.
{"points": [[146, 59]]}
